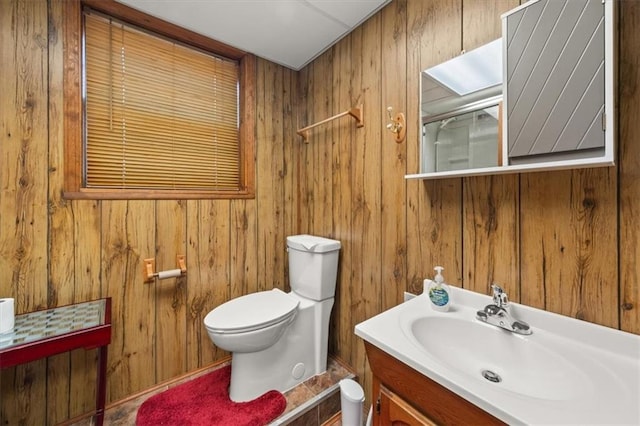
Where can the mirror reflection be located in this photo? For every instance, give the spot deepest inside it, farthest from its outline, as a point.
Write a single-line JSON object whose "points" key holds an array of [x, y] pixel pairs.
{"points": [[460, 111]]}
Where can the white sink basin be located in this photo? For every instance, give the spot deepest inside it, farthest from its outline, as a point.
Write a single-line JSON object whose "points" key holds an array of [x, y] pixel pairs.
{"points": [[566, 372], [516, 364]]}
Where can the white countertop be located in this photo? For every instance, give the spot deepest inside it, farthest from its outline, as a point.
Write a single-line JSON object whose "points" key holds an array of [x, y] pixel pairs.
{"points": [[605, 362]]}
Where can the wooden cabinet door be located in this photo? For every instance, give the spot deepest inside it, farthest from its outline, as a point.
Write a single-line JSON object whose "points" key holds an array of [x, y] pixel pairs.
{"points": [[395, 411]]}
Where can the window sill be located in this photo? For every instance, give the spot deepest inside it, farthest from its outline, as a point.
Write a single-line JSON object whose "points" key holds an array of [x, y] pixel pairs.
{"points": [[152, 194]]}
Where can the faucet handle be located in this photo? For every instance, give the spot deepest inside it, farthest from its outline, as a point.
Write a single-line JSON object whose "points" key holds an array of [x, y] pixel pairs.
{"points": [[499, 296]]}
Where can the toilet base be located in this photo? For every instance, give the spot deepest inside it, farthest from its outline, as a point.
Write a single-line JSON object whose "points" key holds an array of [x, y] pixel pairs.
{"points": [[298, 355]]}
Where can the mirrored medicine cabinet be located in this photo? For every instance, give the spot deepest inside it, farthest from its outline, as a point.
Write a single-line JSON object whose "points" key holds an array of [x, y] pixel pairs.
{"points": [[539, 98]]}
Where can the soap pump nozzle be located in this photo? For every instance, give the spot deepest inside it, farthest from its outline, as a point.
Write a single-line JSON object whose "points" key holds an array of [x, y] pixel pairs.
{"points": [[439, 279]]}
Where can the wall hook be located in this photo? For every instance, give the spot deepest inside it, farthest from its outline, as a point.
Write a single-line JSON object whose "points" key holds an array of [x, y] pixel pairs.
{"points": [[397, 125]]}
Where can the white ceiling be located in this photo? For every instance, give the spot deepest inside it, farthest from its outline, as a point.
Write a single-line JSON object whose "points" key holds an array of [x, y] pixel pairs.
{"points": [[288, 32]]}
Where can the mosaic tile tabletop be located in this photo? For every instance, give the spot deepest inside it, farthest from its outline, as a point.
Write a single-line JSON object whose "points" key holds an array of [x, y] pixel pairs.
{"points": [[48, 323]]}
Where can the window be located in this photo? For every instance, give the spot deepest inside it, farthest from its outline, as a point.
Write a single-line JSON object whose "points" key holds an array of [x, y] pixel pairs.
{"points": [[154, 115]]}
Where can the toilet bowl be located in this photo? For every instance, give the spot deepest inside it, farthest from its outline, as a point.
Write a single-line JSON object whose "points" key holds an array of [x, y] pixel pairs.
{"points": [[277, 339], [252, 322]]}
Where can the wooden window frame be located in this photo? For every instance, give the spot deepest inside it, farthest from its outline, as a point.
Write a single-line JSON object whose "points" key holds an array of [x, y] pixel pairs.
{"points": [[73, 121]]}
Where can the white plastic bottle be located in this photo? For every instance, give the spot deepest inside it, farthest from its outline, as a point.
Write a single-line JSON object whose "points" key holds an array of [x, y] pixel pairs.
{"points": [[438, 292]]}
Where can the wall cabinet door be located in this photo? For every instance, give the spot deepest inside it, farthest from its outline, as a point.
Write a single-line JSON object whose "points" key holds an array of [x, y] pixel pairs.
{"points": [[555, 80]]}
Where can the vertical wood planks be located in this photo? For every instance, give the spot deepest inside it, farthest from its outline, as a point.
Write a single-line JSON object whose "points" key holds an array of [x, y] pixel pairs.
{"points": [[558, 231], [481, 21], [393, 155], [341, 328], [490, 232], [170, 294], [289, 140], [303, 153], [322, 144], [433, 215], [490, 203], [24, 180], [358, 247], [243, 244], [61, 270], [207, 284], [74, 272], [127, 238], [270, 177], [366, 168], [23, 188], [569, 254], [629, 169], [243, 248], [86, 276], [416, 21]]}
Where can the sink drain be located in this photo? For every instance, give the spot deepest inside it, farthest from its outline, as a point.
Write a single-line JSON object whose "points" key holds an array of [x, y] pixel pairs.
{"points": [[491, 376]]}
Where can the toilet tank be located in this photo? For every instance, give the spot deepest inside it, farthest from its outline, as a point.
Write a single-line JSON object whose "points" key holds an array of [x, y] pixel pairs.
{"points": [[313, 266]]}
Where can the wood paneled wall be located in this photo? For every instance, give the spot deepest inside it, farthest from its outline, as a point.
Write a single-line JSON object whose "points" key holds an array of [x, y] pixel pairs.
{"points": [[57, 251], [563, 241]]}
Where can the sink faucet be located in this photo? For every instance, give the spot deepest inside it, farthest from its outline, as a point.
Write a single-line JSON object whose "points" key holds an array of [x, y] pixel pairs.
{"points": [[497, 314]]}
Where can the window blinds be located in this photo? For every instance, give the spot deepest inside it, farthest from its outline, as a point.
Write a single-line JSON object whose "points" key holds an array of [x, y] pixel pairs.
{"points": [[159, 115]]}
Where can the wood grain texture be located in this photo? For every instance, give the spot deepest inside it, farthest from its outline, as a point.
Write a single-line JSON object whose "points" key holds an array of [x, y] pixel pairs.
{"points": [[208, 275], [481, 22], [270, 178], [170, 298], [289, 140], [395, 411], [341, 335], [554, 239], [490, 232], [490, 204], [569, 254], [321, 147], [473, 225], [431, 399], [629, 170], [366, 168], [127, 239], [433, 216], [61, 272], [23, 188], [393, 156], [74, 272]]}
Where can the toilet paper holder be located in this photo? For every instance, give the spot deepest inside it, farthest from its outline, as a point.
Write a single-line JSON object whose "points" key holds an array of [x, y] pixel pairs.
{"points": [[149, 269]]}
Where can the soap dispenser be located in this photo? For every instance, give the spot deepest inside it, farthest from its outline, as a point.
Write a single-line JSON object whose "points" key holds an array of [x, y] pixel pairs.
{"points": [[438, 292]]}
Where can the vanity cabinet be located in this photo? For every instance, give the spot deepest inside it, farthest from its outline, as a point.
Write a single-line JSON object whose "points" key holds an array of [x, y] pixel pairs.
{"points": [[404, 396]]}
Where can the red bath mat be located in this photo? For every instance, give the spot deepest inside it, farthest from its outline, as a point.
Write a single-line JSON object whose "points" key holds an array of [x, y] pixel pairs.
{"points": [[205, 401]]}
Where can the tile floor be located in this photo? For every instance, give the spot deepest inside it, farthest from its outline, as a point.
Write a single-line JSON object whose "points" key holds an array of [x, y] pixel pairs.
{"points": [[311, 403]]}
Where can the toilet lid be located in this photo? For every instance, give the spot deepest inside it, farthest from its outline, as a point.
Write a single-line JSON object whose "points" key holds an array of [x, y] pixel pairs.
{"points": [[251, 312]]}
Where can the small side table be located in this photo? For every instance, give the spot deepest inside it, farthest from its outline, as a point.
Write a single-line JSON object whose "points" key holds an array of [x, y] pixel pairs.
{"points": [[49, 332]]}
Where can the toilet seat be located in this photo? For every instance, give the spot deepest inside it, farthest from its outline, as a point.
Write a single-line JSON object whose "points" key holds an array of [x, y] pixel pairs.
{"points": [[251, 312]]}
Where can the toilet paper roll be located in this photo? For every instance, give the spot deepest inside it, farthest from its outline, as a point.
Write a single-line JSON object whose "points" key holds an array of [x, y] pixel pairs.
{"points": [[7, 315], [169, 274]]}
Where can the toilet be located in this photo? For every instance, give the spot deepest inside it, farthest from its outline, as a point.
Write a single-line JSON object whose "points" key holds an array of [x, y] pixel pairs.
{"points": [[276, 339]]}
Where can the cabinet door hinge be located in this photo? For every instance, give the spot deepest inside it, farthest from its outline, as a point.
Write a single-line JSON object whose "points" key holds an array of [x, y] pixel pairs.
{"points": [[378, 406], [604, 121]]}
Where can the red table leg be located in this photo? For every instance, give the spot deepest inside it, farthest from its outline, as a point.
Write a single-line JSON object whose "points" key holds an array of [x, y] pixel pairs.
{"points": [[101, 385]]}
